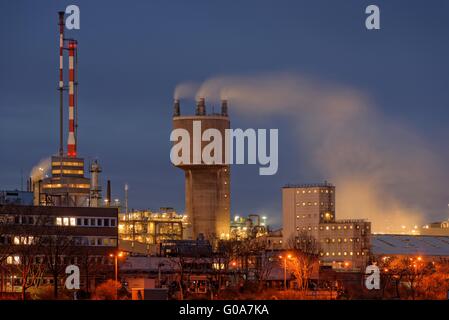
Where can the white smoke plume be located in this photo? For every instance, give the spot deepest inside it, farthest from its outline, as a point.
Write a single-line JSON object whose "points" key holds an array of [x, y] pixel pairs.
{"points": [[41, 170], [382, 169], [185, 90]]}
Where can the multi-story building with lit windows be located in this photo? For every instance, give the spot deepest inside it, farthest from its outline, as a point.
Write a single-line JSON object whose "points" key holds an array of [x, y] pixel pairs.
{"points": [[309, 211], [75, 235]]}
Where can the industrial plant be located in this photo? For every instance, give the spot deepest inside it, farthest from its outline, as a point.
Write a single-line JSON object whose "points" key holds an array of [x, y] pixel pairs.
{"points": [[200, 251]]}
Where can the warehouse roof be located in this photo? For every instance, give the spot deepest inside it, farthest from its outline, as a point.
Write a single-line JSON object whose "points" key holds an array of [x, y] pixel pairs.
{"points": [[396, 244]]}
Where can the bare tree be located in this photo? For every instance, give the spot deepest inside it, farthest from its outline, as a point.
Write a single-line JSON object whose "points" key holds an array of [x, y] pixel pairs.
{"points": [[58, 248], [304, 251], [226, 253], [30, 266], [264, 262], [22, 229], [90, 265]]}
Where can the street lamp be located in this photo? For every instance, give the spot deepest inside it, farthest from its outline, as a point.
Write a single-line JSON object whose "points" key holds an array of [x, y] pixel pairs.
{"points": [[116, 256], [285, 269]]}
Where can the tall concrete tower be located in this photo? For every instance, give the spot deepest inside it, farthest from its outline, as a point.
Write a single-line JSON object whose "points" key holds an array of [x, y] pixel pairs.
{"points": [[207, 186]]}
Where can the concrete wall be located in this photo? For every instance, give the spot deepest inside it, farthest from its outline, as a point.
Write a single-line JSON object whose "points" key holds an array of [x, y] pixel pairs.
{"points": [[207, 187]]}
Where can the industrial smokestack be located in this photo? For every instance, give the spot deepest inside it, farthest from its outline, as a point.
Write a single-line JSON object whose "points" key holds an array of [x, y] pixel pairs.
{"points": [[126, 199], [176, 108], [224, 108], [95, 190], [61, 82], [108, 194], [71, 142], [201, 107]]}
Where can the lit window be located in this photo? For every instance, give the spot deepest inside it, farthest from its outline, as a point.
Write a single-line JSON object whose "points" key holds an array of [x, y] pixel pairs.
{"points": [[16, 240], [65, 221], [13, 260], [59, 221], [73, 221], [327, 227]]}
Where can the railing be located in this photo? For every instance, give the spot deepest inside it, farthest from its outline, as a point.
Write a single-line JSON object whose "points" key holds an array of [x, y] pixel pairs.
{"points": [[309, 185]]}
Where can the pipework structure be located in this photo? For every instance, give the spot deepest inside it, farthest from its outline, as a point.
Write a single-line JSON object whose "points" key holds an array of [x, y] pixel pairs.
{"points": [[207, 186]]}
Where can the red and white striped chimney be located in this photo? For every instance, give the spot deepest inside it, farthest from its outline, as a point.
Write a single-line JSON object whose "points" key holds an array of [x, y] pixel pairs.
{"points": [[61, 49], [71, 142], [61, 81]]}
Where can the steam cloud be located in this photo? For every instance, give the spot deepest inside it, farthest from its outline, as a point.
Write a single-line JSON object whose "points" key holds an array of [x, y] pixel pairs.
{"points": [[382, 168], [185, 90], [40, 170]]}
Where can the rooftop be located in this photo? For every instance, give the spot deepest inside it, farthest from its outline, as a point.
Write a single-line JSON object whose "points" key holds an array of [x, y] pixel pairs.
{"points": [[309, 185], [394, 244]]}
